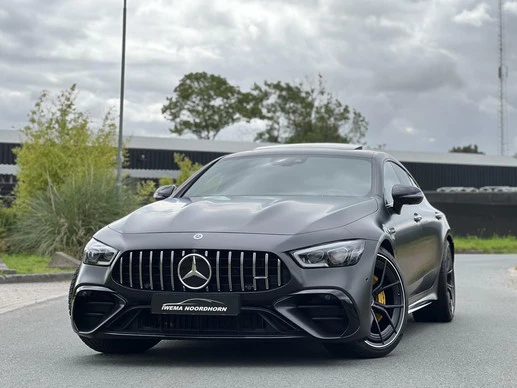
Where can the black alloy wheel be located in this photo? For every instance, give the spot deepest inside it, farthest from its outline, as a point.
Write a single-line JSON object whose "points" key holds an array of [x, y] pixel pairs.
{"points": [[450, 284], [388, 312], [388, 303]]}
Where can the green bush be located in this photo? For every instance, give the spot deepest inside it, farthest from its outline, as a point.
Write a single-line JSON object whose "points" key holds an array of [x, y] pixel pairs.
{"points": [[187, 168], [65, 218], [165, 180], [6, 223], [146, 188], [144, 192], [61, 141]]}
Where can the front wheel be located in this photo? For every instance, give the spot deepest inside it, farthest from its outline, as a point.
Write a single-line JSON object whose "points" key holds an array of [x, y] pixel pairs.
{"points": [[388, 312]]}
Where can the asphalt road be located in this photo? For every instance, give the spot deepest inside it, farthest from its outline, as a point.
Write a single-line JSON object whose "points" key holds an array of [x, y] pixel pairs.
{"points": [[478, 349]]}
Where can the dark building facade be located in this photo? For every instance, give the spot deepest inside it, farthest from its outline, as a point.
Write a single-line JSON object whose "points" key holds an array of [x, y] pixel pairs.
{"points": [[431, 176], [153, 158]]}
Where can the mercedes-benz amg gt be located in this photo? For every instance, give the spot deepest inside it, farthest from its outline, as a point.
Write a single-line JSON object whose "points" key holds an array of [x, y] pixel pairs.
{"points": [[319, 241]]}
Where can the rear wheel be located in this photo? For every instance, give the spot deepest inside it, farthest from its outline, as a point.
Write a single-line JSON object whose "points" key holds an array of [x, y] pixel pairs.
{"points": [[119, 346], [388, 312], [442, 310]]}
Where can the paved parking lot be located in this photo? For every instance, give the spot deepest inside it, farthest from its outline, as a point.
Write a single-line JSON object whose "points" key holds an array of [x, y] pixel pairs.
{"points": [[477, 349]]}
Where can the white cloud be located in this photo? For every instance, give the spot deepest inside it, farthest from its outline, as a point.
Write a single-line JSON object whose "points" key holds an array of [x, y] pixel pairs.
{"points": [[511, 6], [489, 105], [476, 17], [409, 130], [405, 65]]}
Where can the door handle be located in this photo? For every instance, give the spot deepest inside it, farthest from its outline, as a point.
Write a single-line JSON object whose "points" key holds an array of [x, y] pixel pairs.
{"points": [[438, 215], [417, 217]]}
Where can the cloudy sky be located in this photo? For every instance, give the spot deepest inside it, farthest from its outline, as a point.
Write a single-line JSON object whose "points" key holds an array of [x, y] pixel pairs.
{"points": [[423, 72]]}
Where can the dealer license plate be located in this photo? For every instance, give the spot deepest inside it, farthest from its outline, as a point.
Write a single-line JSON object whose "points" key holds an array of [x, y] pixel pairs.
{"points": [[196, 304]]}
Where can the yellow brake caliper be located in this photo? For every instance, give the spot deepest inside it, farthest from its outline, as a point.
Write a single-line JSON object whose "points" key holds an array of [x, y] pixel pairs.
{"points": [[381, 298]]}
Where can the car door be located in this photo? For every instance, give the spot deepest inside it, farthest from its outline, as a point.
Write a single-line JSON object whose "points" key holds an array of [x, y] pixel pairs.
{"points": [[431, 232], [406, 231]]}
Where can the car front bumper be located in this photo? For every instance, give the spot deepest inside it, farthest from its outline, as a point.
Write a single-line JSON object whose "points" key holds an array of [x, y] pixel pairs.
{"points": [[322, 303]]}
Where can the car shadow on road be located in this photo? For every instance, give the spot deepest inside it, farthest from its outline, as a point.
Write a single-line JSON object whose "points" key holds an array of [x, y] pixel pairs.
{"points": [[415, 329], [220, 353], [243, 353]]}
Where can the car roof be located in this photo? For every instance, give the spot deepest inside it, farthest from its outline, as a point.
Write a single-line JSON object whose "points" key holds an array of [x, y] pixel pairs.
{"points": [[312, 146], [352, 150]]}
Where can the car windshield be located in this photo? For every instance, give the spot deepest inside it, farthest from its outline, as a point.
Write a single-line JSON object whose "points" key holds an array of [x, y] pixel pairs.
{"points": [[290, 175]]}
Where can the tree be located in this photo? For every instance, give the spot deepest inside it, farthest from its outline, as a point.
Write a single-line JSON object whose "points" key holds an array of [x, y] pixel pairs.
{"points": [[203, 104], [468, 149], [304, 112], [59, 143]]}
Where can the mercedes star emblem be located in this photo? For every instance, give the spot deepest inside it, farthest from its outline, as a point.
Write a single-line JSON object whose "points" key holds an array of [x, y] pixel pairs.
{"points": [[194, 271]]}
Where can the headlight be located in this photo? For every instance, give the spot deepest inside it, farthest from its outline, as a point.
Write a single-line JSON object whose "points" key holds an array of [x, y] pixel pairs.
{"points": [[338, 254], [97, 253]]}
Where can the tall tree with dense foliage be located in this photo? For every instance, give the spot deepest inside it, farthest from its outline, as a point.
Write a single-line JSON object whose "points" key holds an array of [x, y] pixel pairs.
{"points": [[468, 149], [60, 142], [306, 112], [203, 104]]}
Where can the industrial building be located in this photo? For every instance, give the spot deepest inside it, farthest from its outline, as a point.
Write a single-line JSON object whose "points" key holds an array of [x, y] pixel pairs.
{"points": [[153, 158]]}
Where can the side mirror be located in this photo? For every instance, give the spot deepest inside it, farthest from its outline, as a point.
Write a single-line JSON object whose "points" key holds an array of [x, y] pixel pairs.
{"points": [[164, 192], [405, 195]]}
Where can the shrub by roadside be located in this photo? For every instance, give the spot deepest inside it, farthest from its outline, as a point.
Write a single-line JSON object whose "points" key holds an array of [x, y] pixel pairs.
{"points": [[145, 189], [60, 141], [65, 218], [6, 223]]}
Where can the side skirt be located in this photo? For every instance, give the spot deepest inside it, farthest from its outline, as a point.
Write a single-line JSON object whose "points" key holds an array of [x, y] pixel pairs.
{"points": [[422, 302]]}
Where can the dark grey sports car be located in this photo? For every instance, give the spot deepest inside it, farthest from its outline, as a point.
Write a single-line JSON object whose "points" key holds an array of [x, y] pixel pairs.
{"points": [[319, 241]]}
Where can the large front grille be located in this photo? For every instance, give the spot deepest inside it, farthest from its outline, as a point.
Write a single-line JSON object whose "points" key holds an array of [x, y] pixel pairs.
{"points": [[232, 271]]}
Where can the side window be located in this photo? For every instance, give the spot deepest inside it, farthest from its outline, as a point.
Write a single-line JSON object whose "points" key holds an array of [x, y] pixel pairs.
{"points": [[403, 176], [390, 179]]}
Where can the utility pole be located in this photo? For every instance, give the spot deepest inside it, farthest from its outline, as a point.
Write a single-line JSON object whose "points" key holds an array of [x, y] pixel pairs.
{"points": [[121, 116], [503, 74]]}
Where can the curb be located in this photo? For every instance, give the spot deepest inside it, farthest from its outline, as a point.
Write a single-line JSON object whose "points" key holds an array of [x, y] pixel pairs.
{"points": [[37, 277]]}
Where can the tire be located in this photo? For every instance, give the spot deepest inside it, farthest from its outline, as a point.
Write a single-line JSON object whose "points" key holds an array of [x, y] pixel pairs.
{"points": [[119, 346], [388, 313], [441, 310], [71, 291]]}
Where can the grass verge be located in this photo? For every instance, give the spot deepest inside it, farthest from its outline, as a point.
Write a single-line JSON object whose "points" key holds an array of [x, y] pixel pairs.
{"points": [[24, 264], [495, 244]]}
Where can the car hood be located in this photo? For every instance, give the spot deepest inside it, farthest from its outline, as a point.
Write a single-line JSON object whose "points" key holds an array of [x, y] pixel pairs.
{"points": [[263, 215]]}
